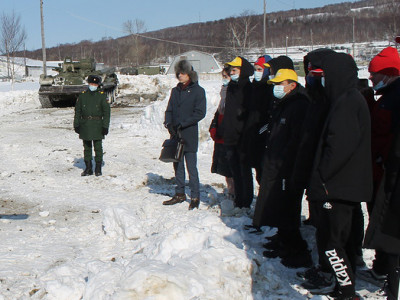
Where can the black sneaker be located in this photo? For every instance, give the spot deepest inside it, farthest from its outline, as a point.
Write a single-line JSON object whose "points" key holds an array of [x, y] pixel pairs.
{"points": [[337, 295], [309, 273], [372, 277], [273, 245], [295, 260], [272, 253], [323, 283]]}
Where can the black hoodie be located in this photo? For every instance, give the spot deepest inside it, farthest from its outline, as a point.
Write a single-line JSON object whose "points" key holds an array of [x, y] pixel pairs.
{"points": [[342, 168], [236, 105], [281, 62], [313, 123]]}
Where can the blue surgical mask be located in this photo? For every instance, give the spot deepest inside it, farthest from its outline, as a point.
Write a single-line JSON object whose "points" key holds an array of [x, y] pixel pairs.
{"points": [[258, 75], [323, 81], [225, 81], [92, 88], [379, 85], [279, 91], [235, 77]]}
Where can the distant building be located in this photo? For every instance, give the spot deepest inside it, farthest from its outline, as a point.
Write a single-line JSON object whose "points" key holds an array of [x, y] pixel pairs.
{"points": [[202, 62]]}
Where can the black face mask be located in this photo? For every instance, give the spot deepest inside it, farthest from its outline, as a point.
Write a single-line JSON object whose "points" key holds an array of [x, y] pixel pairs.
{"points": [[313, 81]]}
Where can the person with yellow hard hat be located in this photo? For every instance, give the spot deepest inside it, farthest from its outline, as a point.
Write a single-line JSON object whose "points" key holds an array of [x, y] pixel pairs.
{"points": [[236, 112], [278, 203]]}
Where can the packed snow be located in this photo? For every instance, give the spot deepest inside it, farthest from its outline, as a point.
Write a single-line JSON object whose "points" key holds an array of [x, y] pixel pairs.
{"points": [[67, 237]]}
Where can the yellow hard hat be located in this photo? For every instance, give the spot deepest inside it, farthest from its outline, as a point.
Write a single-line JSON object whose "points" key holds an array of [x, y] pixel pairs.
{"points": [[284, 74], [237, 62]]}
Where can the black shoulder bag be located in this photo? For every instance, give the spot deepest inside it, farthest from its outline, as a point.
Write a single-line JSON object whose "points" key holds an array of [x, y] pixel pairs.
{"points": [[172, 149]]}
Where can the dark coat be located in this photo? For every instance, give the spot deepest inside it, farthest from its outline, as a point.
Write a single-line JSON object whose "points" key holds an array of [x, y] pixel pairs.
{"points": [[342, 169], [313, 123], [385, 117], [282, 140], [92, 114], [383, 231], [236, 106], [252, 143], [186, 107]]}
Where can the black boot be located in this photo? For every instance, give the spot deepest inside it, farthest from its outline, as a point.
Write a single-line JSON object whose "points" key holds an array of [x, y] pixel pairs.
{"points": [[194, 203], [178, 198], [97, 170], [89, 169]]}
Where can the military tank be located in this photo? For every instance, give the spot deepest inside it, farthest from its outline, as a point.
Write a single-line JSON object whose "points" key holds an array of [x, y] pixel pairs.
{"points": [[63, 89]]}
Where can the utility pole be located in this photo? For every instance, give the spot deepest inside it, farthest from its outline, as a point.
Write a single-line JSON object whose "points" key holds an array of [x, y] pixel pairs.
{"points": [[265, 27], [43, 42], [312, 42], [286, 44], [354, 38]]}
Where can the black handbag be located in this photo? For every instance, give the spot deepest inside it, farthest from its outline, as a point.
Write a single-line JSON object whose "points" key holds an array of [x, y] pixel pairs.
{"points": [[172, 149]]}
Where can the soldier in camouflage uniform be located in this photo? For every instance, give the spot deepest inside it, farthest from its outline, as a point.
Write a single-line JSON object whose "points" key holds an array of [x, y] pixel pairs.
{"points": [[91, 122]]}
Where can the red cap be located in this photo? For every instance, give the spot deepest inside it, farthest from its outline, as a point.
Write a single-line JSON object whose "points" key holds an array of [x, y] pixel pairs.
{"points": [[260, 62], [387, 62]]}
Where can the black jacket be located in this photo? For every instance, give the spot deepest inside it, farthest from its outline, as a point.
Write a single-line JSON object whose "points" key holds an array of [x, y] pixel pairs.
{"points": [[342, 168], [186, 107], [252, 143], [282, 138], [383, 231], [313, 123], [236, 106]]}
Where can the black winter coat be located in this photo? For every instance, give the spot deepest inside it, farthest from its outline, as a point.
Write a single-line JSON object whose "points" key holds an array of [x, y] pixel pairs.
{"points": [[236, 106], [342, 168], [282, 141], [313, 123], [186, 107], [383, 231], [252, 143]]}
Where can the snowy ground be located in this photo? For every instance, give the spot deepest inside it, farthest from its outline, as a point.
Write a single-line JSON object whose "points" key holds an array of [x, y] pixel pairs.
{"points": [[70, 237]]}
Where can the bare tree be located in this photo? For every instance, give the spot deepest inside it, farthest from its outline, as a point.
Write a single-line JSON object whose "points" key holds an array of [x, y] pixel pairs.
{"points": [[135, 28], [13, 37], [241, 29]]}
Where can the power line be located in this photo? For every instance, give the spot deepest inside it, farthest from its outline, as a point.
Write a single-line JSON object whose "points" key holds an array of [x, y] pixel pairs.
{"points": [[145, 36]]}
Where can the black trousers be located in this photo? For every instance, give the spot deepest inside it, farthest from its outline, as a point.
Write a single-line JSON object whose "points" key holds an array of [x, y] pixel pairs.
{"points": [[242, 177], [336, 230]]}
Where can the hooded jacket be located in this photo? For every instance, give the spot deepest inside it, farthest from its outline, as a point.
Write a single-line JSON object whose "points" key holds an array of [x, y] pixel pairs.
{"points": [[342, 169], [236, 105], [313, 123], [281, 62]]}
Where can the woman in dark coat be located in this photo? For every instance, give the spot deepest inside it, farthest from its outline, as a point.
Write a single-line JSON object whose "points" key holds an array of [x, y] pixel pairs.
{"points": [[186, 107], [236, 110], [220, 164]]}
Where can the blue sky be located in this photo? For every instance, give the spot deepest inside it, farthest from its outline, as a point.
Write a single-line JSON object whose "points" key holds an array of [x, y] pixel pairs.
{"points": [[75, 20]]}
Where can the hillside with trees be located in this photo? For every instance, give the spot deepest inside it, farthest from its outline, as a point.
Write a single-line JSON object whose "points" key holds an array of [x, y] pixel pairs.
{"points": [[332, 24]]}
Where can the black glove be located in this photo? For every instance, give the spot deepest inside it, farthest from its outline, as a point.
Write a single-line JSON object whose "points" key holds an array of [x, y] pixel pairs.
{"points": [[77, 129], [105, 131], [171, 129]]}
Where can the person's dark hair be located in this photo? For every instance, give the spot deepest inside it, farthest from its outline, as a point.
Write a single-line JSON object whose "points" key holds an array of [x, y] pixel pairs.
{"points": [[227, 69]]}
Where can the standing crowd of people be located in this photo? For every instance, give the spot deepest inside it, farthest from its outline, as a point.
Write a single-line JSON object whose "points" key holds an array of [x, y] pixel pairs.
{"points": [[329, 142]]}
